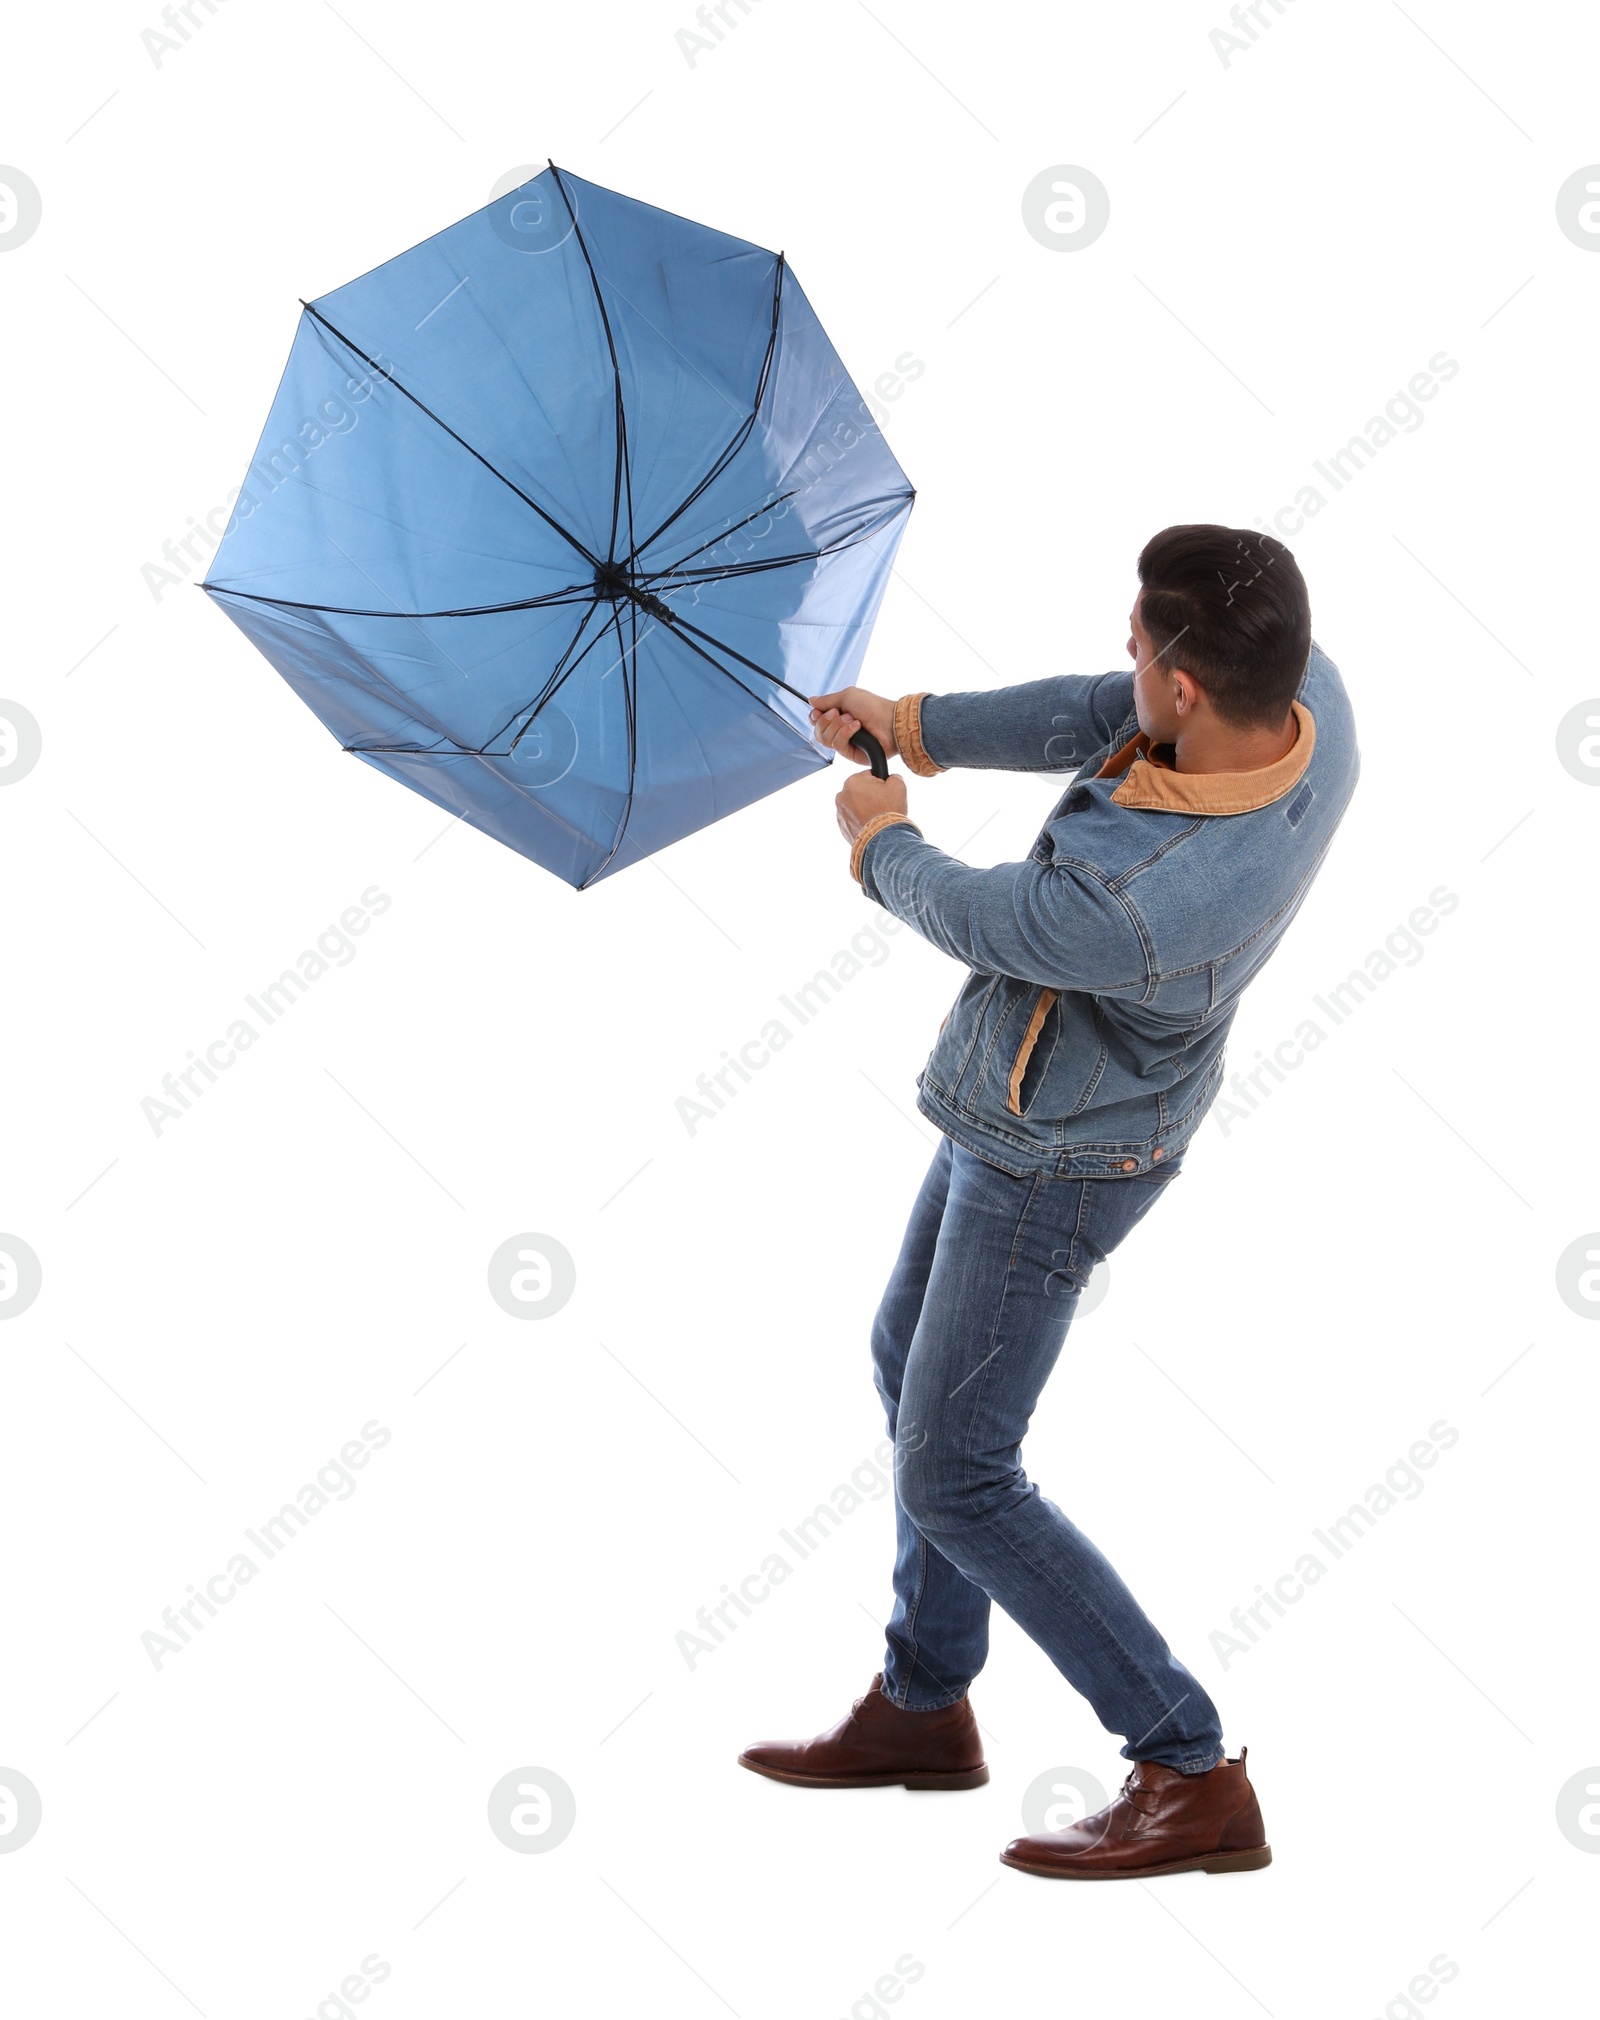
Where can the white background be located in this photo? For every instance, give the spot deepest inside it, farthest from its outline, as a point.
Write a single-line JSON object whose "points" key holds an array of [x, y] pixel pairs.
{"points": [[1293, 235]]}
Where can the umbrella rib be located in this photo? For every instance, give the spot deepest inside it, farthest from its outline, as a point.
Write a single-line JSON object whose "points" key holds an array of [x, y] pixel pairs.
{"points": [[631, 716], [413, 701], [558, 675], [571, 539], [578, 592], [782, 498], [728, 674], [846, 540], [622, 479], [735, 569], [682, 624], [741, 435], [446, 747], [561, 673]]}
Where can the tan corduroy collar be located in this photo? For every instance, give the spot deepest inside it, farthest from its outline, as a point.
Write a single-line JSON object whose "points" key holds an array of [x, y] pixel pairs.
{"points": [[1152, 782]]}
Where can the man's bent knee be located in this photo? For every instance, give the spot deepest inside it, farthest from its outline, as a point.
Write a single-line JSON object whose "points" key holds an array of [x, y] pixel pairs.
{"points": [[938, 1491]]}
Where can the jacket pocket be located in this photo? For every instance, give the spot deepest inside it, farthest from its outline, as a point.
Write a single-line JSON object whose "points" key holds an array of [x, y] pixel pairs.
{"points": [[1022, 1086]]}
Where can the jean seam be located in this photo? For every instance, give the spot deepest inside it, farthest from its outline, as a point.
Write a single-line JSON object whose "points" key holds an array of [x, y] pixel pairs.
{"points": [[913, 1609], [982, 1382], [920, 1581], [1074, 1245], [917, 1662]]}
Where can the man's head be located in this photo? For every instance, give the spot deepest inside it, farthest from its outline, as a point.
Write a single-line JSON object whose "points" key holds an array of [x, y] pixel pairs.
{"points": [[1222, 622]]}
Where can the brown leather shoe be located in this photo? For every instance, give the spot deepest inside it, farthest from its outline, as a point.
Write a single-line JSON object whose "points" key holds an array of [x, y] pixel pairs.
{"points": [[877, 1745], [1162, 1822]]}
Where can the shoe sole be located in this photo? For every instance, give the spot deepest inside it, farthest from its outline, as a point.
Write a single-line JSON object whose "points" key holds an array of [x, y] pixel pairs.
{"points": [[1211, 1862], [967, 1778]]}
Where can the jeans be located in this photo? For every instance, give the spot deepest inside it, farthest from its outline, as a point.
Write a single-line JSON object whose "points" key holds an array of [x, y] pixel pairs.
{"points": [[970, 1326]]}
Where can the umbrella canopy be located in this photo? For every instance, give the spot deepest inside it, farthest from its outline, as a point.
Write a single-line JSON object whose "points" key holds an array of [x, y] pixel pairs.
{"points": [[558, 517]]}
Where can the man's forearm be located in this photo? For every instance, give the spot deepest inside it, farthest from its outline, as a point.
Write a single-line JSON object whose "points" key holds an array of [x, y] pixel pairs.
{"points": [[1037, 726], [1064, 927]]}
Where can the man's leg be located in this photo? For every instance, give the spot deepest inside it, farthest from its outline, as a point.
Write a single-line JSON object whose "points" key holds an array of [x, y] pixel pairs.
{"points": [[938, 1632], [1011, 1257], [913, 1725]]}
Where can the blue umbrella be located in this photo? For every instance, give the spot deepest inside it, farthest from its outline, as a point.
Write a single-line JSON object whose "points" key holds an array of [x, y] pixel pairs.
{"points": [[558, 518]]}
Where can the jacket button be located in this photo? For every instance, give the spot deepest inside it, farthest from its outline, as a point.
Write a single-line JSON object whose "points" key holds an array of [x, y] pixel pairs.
{"points": [[1156, 1156], [1130, 1164]]}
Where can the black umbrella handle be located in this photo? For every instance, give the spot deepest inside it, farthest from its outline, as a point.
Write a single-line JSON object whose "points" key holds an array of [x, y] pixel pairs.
{"points": [[865, 741]]}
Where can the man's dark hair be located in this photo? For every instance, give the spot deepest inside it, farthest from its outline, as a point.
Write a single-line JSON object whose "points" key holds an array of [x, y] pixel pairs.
{"points": [[1230, 607]]}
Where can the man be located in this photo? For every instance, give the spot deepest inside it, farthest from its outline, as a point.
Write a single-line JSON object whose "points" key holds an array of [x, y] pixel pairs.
{"points": [[1078, 1060]]}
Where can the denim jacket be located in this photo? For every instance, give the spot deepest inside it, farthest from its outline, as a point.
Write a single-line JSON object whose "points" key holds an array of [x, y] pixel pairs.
{"points": [[1088, 1038]]}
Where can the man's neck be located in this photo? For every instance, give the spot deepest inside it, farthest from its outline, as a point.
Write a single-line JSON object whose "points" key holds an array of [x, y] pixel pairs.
{"points": [[1213, 746]]}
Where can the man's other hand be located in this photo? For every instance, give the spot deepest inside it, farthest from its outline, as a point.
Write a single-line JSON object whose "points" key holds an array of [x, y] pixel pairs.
{"points": [[862, 798]]}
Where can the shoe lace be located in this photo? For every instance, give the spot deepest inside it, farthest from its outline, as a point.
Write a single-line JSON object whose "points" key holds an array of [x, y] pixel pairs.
{"points": [[1132, 1790]]}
